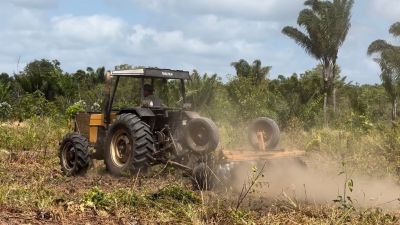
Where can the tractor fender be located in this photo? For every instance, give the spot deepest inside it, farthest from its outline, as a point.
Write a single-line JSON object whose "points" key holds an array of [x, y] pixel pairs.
{"points": [[191, 115]]}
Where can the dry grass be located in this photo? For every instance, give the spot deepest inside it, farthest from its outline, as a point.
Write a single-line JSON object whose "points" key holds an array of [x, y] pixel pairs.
{"points": [[33, 190]]}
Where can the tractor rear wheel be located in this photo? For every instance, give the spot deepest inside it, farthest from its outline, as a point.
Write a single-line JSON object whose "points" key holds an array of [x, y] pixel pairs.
{"points": [[201, 136], [269, 130], [74, 154], [130, 146]]}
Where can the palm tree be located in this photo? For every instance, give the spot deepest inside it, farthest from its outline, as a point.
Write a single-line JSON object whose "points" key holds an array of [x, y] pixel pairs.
{"points": [[258, 71], [255, 70], [201, 90], [391, 83], [242, 68], [389, 62], [326, 24]]}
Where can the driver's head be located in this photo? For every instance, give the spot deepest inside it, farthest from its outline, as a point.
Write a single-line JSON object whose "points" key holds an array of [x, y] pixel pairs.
{"points": [[148, 90]]}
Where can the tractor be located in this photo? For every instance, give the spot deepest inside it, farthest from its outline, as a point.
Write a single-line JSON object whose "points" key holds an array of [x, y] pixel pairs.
{"points": [[131, 140]]}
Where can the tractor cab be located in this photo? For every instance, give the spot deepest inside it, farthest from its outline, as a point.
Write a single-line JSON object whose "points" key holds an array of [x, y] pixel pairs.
{"points": [[162, 78], [127, 91]]}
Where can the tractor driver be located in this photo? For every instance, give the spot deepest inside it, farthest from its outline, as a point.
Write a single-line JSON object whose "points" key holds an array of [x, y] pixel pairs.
{"points": [[150, 98]]}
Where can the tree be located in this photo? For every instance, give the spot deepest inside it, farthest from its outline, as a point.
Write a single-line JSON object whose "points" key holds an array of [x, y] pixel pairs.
{"points": [[391, 82], [248, 91], [326, 24], [300, 93], [201, 90], [41, 75], [124, 67], [5, 87], [5, 91], [5, 78], [256, 70], [389, 62], [242, 68]]}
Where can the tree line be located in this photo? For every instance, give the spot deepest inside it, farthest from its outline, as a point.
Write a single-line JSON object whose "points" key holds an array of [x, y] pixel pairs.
{"points": [[44, 89], [320, 96]]}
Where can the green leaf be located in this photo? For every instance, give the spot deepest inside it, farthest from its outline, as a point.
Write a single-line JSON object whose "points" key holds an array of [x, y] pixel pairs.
{"points": [[350, 185]]}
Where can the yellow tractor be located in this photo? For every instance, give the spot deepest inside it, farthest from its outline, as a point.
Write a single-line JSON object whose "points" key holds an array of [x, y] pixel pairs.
{"points": [[130, 140]]}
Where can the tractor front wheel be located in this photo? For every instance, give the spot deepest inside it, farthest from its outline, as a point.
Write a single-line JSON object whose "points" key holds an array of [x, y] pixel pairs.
{"points": [[74, 154]]}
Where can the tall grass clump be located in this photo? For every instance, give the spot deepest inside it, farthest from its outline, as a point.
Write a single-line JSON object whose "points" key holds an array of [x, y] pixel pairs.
{"points": [[38, 134]]}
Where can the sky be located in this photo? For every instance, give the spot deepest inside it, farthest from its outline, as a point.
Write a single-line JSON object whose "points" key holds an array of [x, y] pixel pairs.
{"points": [[206, 35]]}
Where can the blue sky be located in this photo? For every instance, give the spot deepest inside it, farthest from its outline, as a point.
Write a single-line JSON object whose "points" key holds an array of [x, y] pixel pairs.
{"points": [[206, 35]]}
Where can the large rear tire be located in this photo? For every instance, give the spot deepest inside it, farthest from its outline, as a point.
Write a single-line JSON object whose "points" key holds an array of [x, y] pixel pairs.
{"points": [[130, 146], [201, 136], [270, 130], [74, 154]]}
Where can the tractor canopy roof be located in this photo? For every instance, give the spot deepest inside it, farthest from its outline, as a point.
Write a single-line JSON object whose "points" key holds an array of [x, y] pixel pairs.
{"points": [[153, 73]]}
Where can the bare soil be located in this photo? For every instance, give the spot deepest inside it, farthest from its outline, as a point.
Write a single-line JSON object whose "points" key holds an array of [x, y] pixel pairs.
{"points": [[29, 171]]}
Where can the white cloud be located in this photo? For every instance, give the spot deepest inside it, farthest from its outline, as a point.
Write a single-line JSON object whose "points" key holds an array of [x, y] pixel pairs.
{"points": [[79, 41], [95, 29], [213, 28], [389, 9], [26, 20], [249, 9], [35, 4], [89, 32], [148, 40]]}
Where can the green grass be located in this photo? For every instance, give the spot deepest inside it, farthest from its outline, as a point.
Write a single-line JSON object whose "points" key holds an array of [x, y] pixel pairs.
{"points": [[36, 134]]}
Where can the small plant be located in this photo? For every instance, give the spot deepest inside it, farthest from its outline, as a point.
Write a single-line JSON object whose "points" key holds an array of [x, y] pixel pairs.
{"points": [[241, 217], [97, 199], [125, 197], [315, 143], [248, 187], [177, 193], [345, 200]]}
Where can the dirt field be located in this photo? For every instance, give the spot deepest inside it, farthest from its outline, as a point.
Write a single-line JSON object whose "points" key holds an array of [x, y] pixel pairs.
{"points": [[33, 191]]}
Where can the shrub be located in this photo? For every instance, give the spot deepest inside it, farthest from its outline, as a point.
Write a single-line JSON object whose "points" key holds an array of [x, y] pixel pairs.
{"points": [[5, 111], [34, 104], [79, 106]]}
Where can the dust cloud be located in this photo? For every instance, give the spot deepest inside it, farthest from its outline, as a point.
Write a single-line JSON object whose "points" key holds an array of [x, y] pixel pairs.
{"points": [[315, 184]]}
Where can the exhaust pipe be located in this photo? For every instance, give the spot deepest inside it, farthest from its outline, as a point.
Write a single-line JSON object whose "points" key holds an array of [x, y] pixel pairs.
{"points": [[107, 97]]}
